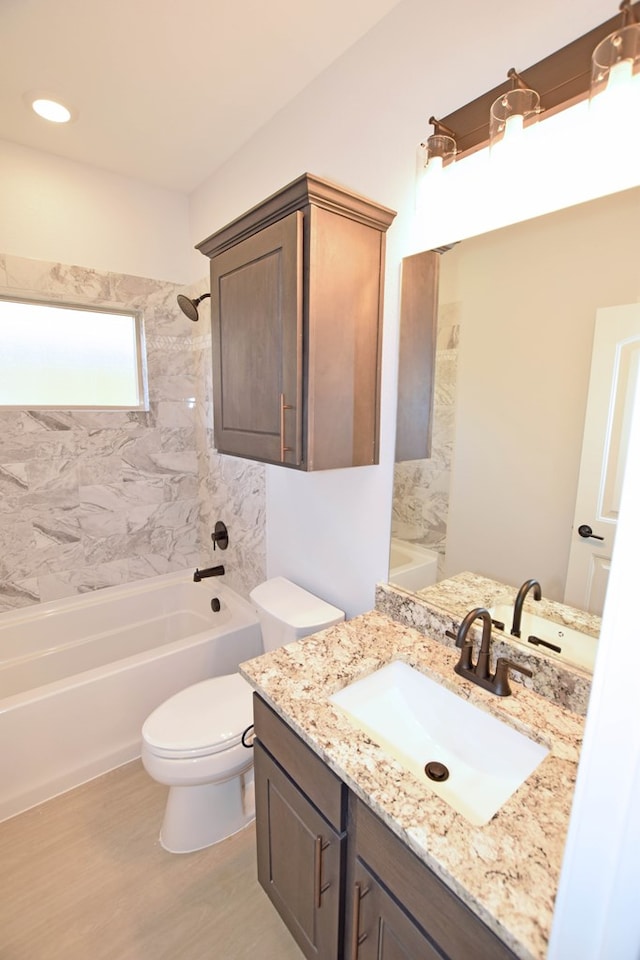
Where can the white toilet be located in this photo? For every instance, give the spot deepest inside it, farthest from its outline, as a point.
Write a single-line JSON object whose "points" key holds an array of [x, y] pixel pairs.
{"points": [[193, 741]]}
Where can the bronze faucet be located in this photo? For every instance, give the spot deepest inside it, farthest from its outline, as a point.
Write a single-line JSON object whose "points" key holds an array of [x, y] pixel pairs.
{"points": [[480, 671], [517, 607], [208, 572]]}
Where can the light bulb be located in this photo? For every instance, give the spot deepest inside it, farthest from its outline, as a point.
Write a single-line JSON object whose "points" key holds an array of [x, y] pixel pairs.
{"points": [[51, 110]]}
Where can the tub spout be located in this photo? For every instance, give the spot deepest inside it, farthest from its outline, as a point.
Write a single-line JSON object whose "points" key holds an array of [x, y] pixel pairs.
{"points": [[208, 572]]}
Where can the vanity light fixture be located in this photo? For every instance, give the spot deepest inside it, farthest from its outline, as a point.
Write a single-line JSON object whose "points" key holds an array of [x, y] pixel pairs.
{"points": [[440, 148], [512, 111], [190, 307], [616, 59], [564, 160]]}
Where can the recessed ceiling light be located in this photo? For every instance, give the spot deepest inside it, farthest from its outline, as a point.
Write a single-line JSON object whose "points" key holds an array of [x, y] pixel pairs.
{"points": [[49, 108], [52, 110]]}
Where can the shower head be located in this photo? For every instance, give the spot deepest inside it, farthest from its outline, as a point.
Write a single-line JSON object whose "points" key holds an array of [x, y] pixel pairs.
{"points": [[190, 307]]}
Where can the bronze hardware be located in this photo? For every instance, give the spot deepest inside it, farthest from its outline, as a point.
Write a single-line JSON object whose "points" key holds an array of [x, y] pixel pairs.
{"points": [[220, 535], [356, 937], [318, 887], [440, 129], [517, 82], [586, 531], [479, 672], [517, 607], [562, 78], [283, 406]]}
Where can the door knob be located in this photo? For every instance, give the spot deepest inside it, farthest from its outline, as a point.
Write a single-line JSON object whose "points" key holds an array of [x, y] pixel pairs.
{"points": [[585, 531]]}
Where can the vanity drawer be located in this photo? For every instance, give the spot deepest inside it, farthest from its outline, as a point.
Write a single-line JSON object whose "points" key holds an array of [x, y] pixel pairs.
{"points": [[323, 788]]}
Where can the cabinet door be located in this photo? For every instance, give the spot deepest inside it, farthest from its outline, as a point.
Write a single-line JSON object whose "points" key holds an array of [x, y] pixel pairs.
{"points": [[256, 341], [416, 363], [429, 909], [380, 930], [345, 286], [299, 860]]}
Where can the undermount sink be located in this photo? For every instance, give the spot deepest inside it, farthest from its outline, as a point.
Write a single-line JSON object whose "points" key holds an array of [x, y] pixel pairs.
{"points": [[578, 649], [422, 724]]}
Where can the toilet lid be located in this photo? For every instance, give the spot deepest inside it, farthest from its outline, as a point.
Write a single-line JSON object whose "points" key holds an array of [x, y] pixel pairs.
{"points": [[205, 718]]}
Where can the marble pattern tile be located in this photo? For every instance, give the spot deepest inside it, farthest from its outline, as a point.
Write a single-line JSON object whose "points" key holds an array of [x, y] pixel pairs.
{"points": [[94, 498], [506, 871]]}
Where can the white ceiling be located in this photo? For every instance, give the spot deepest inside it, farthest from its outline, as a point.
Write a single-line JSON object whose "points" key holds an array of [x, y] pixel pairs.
{"points": [[165, 90]]}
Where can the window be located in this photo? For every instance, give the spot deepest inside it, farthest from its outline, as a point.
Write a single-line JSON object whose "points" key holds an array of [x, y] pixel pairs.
{"points": [[59, 355]]}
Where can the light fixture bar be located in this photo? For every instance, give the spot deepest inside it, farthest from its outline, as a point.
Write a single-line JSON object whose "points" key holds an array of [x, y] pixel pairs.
{"points": [[560, 79]]}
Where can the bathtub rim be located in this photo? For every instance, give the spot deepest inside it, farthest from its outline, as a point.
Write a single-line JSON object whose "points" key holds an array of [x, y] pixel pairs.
{"points": [[237, 604], [81, 765]]}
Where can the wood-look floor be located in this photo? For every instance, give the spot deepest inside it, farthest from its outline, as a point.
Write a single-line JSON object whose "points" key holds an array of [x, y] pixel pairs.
{"points": [[83, 877]]}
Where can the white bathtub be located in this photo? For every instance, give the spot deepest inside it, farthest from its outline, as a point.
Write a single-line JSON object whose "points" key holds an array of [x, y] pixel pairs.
{"points": [[79, 676], [412, 566]]}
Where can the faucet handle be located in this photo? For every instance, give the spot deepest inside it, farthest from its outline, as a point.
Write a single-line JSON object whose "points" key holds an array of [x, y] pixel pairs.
{"points": [[500, 683], [465, 663]]}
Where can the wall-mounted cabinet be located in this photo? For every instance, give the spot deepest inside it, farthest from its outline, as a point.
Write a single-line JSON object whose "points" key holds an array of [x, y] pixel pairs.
{"points": [[296, 317], [417, 355]]}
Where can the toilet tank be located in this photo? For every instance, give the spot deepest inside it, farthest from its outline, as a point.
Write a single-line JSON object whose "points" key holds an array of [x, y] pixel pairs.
{"points": [[287, 612]]}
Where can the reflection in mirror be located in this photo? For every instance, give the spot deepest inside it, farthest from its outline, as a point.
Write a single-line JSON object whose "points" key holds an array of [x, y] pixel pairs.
{"points": [[517, 312]]}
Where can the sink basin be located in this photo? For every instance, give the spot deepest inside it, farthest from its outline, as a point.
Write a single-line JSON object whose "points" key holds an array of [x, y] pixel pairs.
{"points": [[418, 721], [578, 649]]}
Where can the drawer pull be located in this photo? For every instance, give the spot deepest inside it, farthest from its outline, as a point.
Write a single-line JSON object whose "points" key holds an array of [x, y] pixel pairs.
{"points": [[356, 937], [283, 406], [319, 887]]}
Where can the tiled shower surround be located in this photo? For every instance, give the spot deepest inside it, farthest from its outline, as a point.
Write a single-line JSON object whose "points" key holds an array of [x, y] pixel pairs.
{"points": [[93, 498]]}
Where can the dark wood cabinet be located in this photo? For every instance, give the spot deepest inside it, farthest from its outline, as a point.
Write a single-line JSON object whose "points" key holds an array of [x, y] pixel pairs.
{"points": [[296, 315], [410, 908], [343, 882], [417, 355], [300, 843], [380, 929]]}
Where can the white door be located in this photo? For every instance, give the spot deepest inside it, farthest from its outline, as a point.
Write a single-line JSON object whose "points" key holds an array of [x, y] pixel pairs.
{"points": [[614, 373]]}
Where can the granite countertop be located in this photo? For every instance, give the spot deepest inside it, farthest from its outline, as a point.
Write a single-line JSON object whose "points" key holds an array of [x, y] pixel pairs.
{"points": [[438, 611], [506, 871]]}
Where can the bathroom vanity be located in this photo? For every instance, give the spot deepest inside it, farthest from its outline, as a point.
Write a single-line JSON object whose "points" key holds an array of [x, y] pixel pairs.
{"points": [[308, 825], [359, 856]]}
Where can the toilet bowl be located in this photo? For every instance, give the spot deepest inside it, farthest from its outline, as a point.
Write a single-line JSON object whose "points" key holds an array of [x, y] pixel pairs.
{"points": [[192, 742]]}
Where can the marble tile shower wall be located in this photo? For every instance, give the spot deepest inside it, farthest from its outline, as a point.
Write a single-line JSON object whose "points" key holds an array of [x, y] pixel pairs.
{"points": [[93, 498], [421, 487]]}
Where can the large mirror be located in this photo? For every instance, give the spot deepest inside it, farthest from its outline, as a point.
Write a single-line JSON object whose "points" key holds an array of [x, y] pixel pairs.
{"points": [[520, 312]]}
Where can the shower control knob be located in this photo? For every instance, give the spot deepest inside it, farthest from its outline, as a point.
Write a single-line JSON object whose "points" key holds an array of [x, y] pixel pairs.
{"points": [[585, 531]]}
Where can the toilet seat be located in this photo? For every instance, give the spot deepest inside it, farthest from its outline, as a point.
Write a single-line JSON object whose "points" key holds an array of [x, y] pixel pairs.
{"points": [[204, 719]]}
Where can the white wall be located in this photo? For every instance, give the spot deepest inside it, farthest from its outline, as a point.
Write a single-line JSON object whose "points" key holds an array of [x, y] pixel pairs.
{"points": [[64, 212], [359, 125]]}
